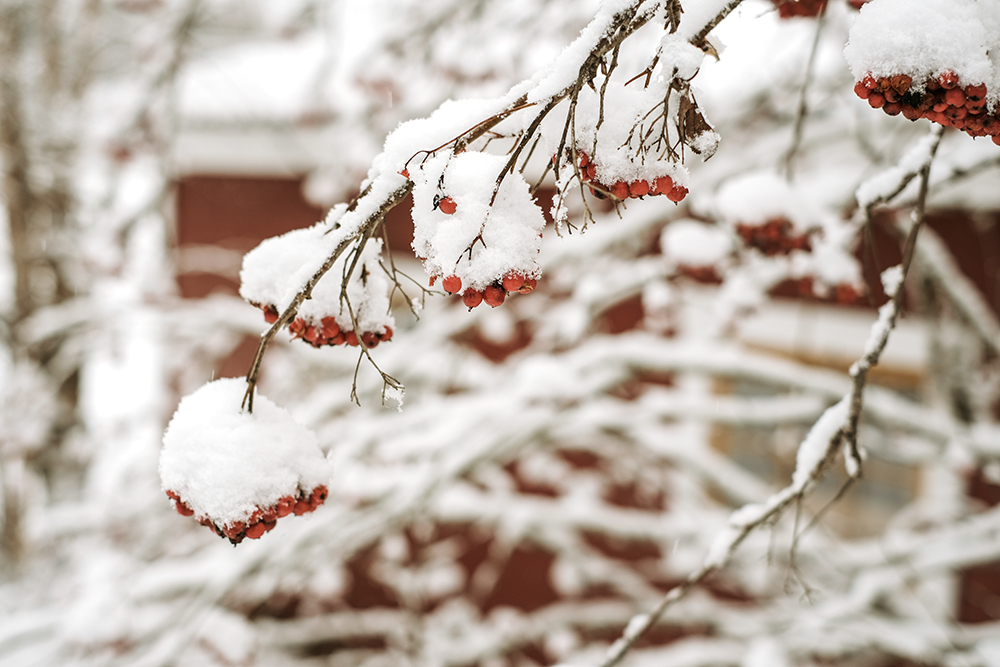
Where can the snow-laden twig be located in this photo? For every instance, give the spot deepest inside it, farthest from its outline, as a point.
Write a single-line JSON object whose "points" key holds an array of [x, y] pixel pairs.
{"points": [[575, 68], [837, 427]]}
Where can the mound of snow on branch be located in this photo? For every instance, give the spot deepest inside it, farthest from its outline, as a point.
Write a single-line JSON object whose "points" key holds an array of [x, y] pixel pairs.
{"points": [[227, 463]]}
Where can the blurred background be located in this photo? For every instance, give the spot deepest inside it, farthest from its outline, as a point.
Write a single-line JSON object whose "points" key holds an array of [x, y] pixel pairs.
{"points": [[560, 462]]}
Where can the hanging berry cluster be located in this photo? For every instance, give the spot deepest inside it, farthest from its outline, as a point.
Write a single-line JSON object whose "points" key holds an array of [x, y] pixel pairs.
{"points": [[493, 294], [941, 99], [806, 8], [238, 472], [481, 238], [327, 319], [262, 520], [658, 185], [773, 237]]}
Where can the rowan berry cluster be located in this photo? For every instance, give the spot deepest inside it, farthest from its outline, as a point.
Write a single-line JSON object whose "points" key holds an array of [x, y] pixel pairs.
{"points": [[773, 237], [493, 295], [941, 99], [807, 8], [791, 8], [262, 520], [327, 331], [661, 185]]}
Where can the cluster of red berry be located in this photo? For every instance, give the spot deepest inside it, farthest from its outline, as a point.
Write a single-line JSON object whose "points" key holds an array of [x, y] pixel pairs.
{"points": [[942, 101], [700, 274], [774, 237], [327, 332], [808, 8], [262, 520], [493, 295], [790, 8], [662, 185]]}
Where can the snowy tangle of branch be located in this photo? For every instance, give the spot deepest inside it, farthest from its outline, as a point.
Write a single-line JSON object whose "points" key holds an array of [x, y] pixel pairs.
{"points": [[575, 69], [618, 459]]}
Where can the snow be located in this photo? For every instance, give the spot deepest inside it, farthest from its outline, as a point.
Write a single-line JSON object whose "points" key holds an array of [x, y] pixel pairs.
{"points": [[694, 243], [225, 463], [882, 185], [816, 443], [480, 243], [892, 279]]}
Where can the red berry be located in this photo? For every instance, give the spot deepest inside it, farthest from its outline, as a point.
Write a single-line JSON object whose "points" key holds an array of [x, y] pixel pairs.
{"points": [[447, 205], [892, 108], [370, 339], [638, 188], [318, 496], [662, 185], [861, 90], [976, 93], [591, 171], [301, 507], [387, 334], [472, 298], [330, 327], [876, 100], [955, 97], [270, 314], [911, 113], [433, 280], [948, 80], [311, 334], [234, 531], [173, 495], [183, 509], [494, 296], [901, 83], [528, 286], [351, 338], [620, 190], [284, 506], [512, 282], [256, 530], [677, 193], [452, 284], [405, 173], [584, 160], [297, 327], [955, 113]]}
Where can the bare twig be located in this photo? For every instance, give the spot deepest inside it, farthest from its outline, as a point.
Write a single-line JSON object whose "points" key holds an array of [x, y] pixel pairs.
{"points": [[803, 108]]}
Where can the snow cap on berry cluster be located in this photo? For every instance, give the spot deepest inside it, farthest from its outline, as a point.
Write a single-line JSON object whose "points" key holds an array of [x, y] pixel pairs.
{"points": [[270, 278], [616, 152], [226, 463], [479, 242], [925, 38]]}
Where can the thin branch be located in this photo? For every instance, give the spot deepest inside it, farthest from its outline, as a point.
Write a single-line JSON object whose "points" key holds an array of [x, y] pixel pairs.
{"points": [[803, 108]]}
